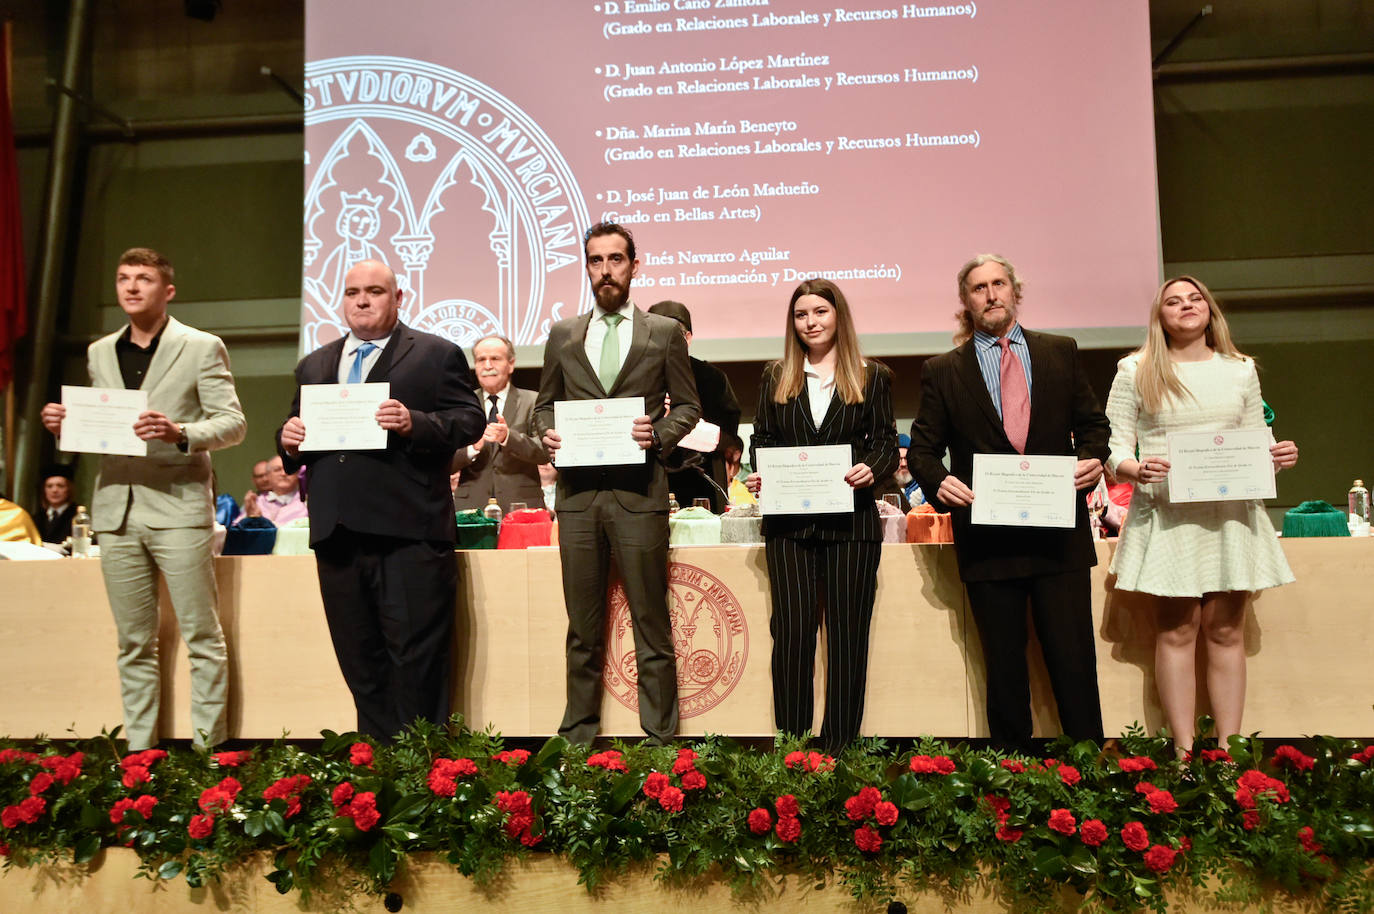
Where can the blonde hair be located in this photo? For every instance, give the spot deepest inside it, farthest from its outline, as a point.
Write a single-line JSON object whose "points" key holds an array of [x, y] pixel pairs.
{"points": [[964, 331], [1156, 378], [789, 371]]}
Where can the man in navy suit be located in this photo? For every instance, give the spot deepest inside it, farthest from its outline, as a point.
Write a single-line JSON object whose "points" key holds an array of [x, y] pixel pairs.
{"points": [[381, 521], [1007, 390]]}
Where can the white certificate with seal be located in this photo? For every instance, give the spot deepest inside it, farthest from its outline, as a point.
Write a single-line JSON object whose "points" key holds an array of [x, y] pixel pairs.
{"points": [[805, 480], [343, 417], [100, 420], [598, 433], [1024, 490], [1230, 465]]}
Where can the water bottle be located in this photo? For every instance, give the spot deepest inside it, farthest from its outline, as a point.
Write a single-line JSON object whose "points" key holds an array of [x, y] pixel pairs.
{"points": [[492, 511], [672, 504], [1359, 508], [81, 532]]}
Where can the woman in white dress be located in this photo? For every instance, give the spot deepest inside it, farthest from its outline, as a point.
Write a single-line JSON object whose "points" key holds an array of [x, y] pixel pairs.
{"points": [[1200, 560]]}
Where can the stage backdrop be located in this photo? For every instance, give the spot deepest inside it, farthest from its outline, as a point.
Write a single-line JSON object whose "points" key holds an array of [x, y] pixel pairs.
{"points": [[748, 143]]}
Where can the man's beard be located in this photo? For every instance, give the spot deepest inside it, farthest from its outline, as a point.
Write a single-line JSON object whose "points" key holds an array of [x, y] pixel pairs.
{"points": [[903, 477], [610, 296]]}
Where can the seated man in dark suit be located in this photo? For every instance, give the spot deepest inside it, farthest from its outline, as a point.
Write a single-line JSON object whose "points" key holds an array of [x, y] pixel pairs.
{"points": [[701, 474], [504, 463], [54, 520]]}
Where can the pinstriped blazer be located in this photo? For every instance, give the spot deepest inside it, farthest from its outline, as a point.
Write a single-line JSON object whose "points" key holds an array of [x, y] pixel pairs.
{"points": [[867, 426]]}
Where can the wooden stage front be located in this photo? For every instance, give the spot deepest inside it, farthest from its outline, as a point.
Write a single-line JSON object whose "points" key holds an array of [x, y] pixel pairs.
{"points": [[1309, 645]]}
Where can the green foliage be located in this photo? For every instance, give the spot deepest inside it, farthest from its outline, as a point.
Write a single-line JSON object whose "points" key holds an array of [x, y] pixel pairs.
{"points": [[956, 818]]}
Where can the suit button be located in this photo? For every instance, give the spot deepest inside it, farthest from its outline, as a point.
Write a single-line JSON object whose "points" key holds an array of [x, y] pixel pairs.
{"points": [[342, 458]]}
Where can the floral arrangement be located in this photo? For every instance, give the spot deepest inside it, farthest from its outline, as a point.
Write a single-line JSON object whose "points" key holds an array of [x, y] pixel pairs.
{"points": [[1116, 825]]}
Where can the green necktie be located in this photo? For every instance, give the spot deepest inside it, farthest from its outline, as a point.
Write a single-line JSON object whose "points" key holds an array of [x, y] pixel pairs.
{"points": [[610, 351]]}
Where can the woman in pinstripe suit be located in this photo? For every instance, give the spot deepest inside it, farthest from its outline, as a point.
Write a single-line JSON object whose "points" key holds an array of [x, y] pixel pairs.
{"points": [[823, 392]]}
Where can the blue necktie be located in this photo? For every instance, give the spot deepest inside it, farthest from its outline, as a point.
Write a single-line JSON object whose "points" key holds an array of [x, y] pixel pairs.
{"points": [[355, 374]]}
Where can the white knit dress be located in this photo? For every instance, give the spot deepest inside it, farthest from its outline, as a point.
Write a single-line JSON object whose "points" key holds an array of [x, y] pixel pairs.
{"points": [[1187, 550]]}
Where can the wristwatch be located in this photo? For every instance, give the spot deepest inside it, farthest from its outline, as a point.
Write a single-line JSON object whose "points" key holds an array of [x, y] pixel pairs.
{"points": [[182, 440]]}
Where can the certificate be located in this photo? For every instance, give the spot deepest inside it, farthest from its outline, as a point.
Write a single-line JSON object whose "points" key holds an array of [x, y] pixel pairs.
{"points": [[1024, 490], [598, 433], [343, 417], [805, 480], [1225, 465], [100, 420]]}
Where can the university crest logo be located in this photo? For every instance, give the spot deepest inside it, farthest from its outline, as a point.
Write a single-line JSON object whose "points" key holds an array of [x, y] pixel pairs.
{"points": [[710, 636], [450, 184]]}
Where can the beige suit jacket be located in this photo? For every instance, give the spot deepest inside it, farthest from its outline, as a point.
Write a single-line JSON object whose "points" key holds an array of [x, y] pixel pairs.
{"points": [[189, 382]]}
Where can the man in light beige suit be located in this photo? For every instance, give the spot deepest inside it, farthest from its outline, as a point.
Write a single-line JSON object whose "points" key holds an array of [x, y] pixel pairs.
{"points": [[155, 513]]}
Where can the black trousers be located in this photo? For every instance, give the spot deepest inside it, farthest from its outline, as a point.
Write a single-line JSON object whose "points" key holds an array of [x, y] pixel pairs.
{"points": [[1061, 606], [803, 575], [587, 540], [390, 606]]}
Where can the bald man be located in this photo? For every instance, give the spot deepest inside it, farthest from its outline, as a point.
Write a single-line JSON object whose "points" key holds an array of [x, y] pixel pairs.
{"points": [[381, 521]]}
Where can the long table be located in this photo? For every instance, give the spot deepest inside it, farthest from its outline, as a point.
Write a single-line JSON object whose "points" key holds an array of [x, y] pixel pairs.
{"points": [[1309, 645]]}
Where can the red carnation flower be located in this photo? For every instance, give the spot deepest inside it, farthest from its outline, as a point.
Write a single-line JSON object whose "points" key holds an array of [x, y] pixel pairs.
{"points": [[232, 759], [860, 806], [1185, 843], [611, 760], [788, 829], [671, 799], [885, 813], [1251, 819], [1134, 836], [794, 759], [201, 826], [786, 805], [1291, 756], [135, 775], [512, 757], [1146, 788], [1008, 834], [1257, 782], [65, 769], [1244, 798], [342, 794], [289, 789], [219, 798], [1366, 755], [655, 784], [509, 801], [1093, 832], [1136, 764], [1159, 858], [693, 780], [444, 772], [1062, 821], [360, 754], [26, 812], [868, 840], [1013, 765], [41, 782], [760, 821], [363, 810], [1162, 801], [1216, 755], [1000, 806], [1308, 839], [15, 755], [925, 764], [1069, 775]]}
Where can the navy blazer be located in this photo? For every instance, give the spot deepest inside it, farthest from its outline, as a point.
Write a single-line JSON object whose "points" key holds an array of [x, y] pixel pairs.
{"points": [[957, 413], [402, 490], [867, 426]]}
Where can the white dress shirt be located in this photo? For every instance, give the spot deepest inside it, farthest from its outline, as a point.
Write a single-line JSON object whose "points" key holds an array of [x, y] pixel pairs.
{"points": [[819, 390], [351, 344]]}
